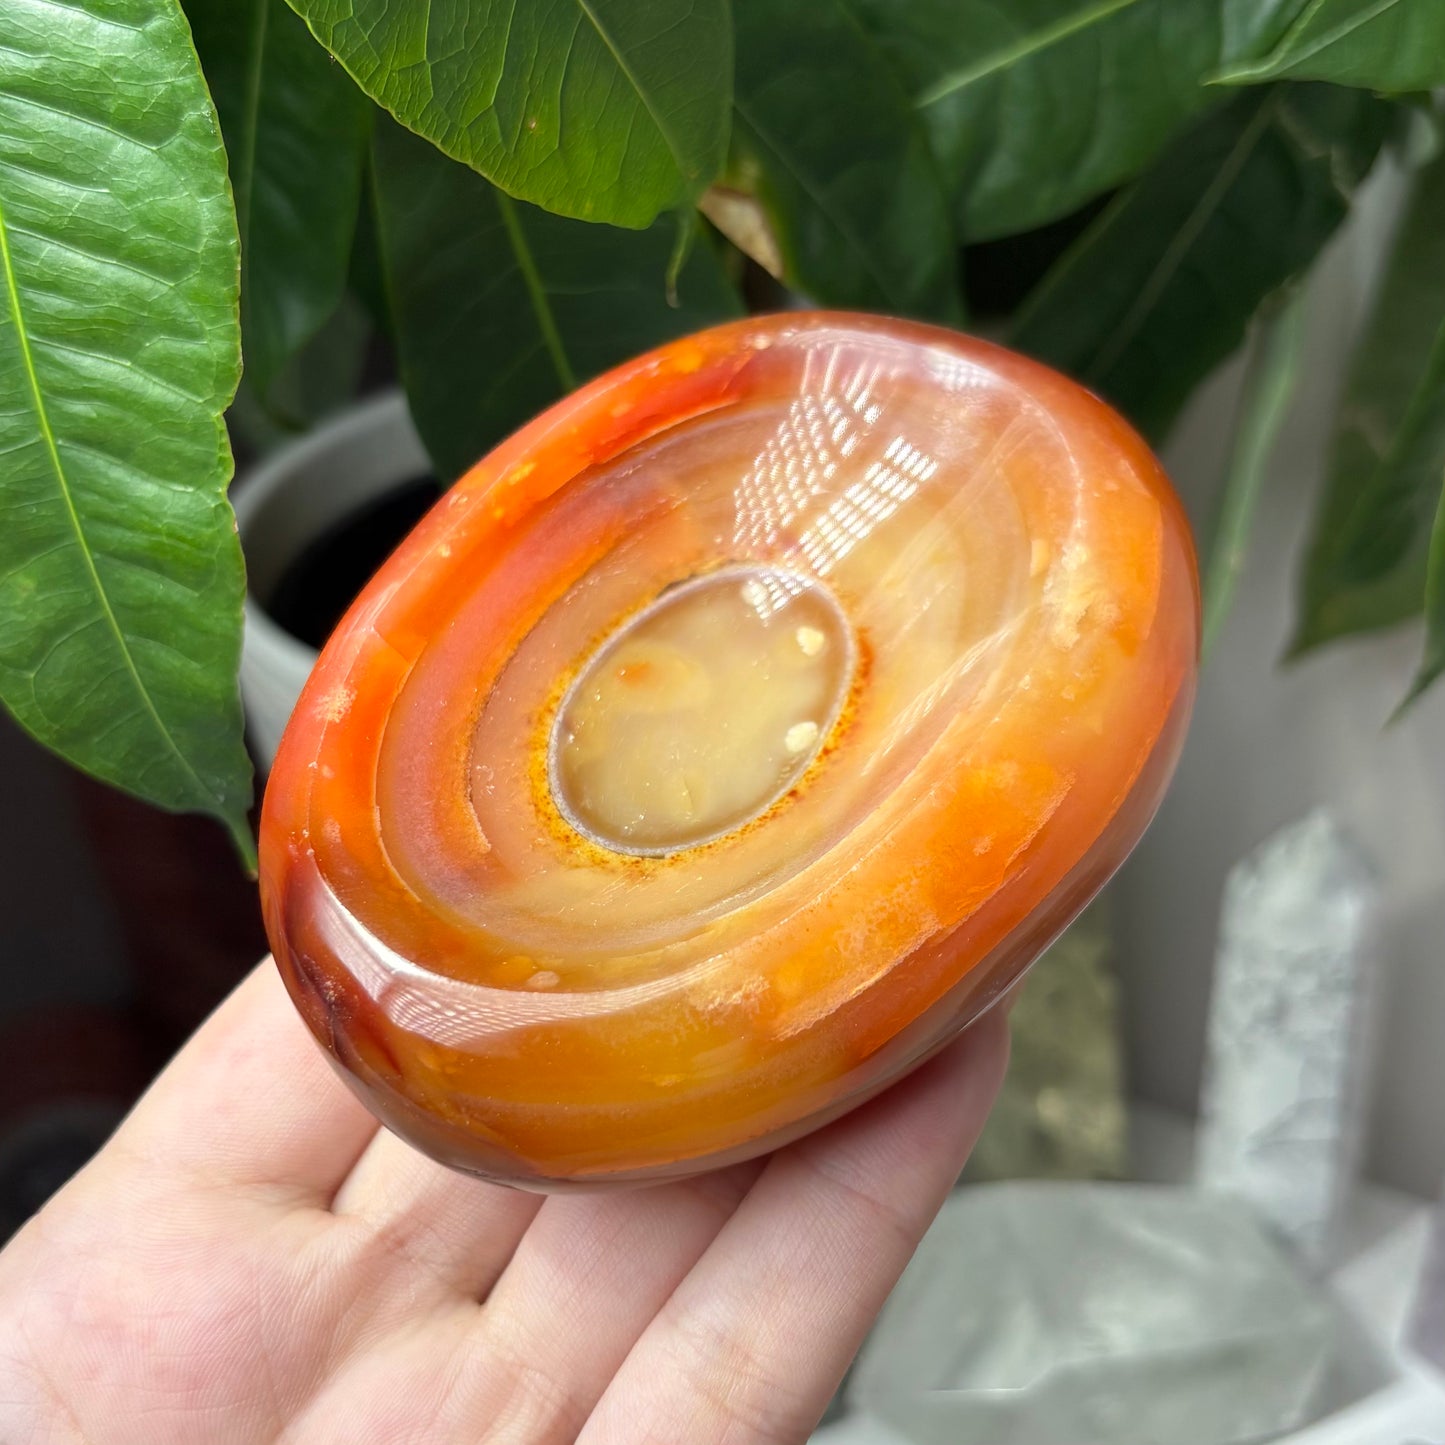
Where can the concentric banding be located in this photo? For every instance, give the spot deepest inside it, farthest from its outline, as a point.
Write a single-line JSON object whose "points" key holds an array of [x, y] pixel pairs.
{"points": [[536, 1004]]}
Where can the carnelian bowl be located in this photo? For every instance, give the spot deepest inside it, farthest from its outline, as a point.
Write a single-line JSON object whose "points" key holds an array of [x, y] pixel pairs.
{"points": [[724, 743]]}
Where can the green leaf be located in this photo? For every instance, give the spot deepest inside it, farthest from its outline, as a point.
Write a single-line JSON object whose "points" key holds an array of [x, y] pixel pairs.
{"points": [[295, 129], [1390, 45], [500, 308], [608, 110], [1367, 557], [1269, 384], [840, 162], [320, 379], [366, 281], [1432, 665], [1161, 287], [120, 573], [1037, 106]]}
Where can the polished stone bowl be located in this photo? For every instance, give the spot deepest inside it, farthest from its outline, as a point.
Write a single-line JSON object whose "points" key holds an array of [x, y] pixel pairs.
{"points": [[724, 743]]}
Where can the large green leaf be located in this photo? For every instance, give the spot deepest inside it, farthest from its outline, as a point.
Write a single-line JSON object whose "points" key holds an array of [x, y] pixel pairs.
{"points": [[1391, 45], [1432, 665], [1161, 288], [295, 129], [830, 145], [608, 110], [1367, 557], [1036, 106], [120, 574], [500, 308]]}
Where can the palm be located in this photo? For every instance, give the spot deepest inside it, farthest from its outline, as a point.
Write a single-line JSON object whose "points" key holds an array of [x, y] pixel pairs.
{"points": [[251, 1261]]}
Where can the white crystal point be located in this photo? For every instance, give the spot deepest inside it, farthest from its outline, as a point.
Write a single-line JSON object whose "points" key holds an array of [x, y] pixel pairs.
{"points": [[1288, 1028], [1101, 1314], [1306, 883], [1427, 1322]]}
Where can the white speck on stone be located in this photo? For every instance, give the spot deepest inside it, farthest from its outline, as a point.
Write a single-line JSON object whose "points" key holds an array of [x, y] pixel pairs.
{"points": [[337, 703], [544, 978], [801, 736], [810, 641]]}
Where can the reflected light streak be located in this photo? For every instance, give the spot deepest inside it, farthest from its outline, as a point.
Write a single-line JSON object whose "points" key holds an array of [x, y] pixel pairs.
{"points": [[957, 373], [832, 416], [884, 487], [456, 1013]]}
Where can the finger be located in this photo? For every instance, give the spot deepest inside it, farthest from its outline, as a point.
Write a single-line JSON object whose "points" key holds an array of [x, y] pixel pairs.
{"points": [[527, 1368], [583, 1285], [251, 1102], [426, 1227], [750, 1347]]}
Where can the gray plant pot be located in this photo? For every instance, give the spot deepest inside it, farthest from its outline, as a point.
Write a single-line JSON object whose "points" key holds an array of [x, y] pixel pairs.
{"points": [[283, 505]]}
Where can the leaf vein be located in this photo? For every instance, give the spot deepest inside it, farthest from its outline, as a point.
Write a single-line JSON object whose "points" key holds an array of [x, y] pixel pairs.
{"points": [[1178, 249], [840, 222], [536, 292], [679, 152], [1284, 58], [60, 113], [92, 256], [1022, 49]]}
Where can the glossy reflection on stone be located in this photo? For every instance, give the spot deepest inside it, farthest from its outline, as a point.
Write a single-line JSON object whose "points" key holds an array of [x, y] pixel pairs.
{"points": [[725, 742]]}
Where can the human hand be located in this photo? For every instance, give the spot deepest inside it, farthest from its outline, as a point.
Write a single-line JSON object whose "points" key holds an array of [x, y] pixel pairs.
{"points": [[252, 1260]]}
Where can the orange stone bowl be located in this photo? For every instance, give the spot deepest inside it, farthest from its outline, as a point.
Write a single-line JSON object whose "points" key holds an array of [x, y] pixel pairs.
{"points": [[724, 743]]}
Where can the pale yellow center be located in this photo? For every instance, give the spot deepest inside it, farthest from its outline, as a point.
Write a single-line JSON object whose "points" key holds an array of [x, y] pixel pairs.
{"points": [[701, 711]]}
